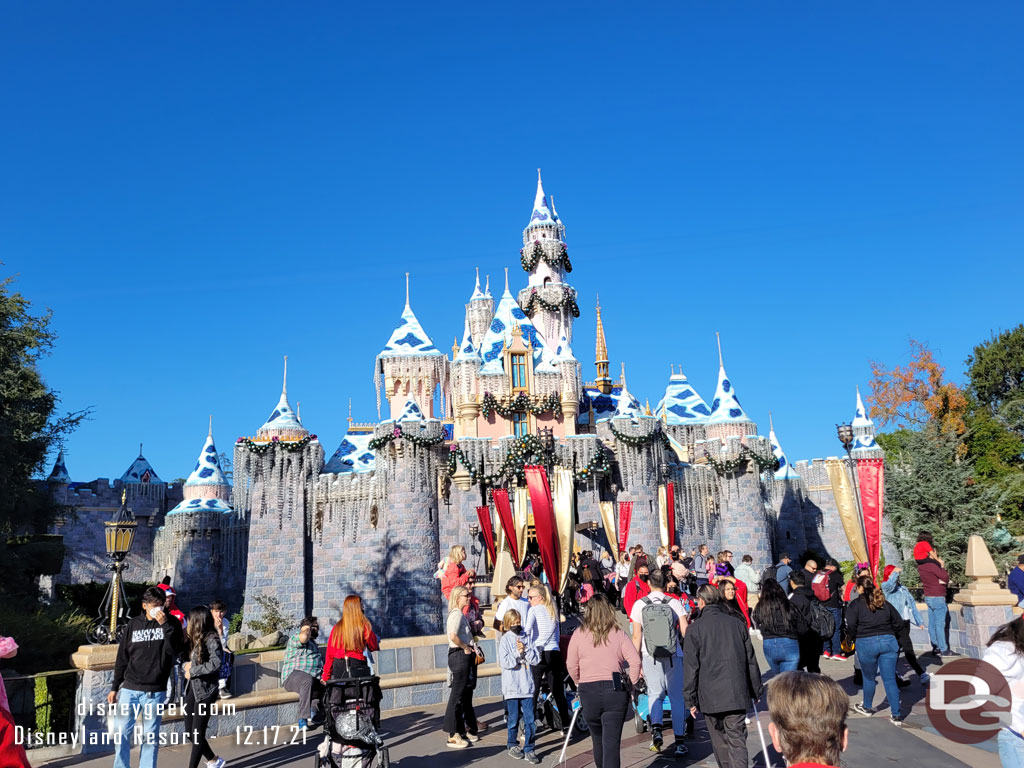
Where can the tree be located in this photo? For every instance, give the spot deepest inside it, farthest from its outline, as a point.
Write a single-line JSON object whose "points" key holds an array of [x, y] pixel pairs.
{"points": [[996, 369], [29, 427], [930, 486], [914, 395]]}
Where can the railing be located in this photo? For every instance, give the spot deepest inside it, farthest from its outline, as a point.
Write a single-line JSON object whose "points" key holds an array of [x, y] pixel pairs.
{"points": [[44, 705]]}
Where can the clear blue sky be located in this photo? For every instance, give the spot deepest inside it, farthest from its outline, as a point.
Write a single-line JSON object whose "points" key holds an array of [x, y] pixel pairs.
{"points": [[197, 189]]}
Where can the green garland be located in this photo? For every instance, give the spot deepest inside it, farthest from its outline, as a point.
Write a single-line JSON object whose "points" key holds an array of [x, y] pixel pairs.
{"points": [[568, 301], [262, 447], [522, 451], [732, 466], [425, 442], [634, 441], [537, 253], [520, 402]]}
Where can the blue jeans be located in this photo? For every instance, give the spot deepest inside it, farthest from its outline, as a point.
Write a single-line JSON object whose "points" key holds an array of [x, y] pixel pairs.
{"points": [[516, 709], [937, 612], [781, 653], [878, 655], [833, 644], [1011, 749], [142, 704]]}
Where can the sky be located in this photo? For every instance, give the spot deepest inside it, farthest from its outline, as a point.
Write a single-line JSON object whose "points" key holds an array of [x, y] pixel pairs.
{"points": [[198, 189]]}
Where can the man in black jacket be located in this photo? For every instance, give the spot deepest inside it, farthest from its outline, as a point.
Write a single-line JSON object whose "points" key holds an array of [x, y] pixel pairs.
{"points": [[145, 656], [800, 601], [721, 677]]}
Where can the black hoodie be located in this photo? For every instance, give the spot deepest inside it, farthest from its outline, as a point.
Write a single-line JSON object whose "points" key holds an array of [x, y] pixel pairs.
{"points": [[147, 653]]}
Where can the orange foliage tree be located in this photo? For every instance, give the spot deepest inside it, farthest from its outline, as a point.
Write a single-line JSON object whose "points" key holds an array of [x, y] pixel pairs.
{"points": [[913, 395]]}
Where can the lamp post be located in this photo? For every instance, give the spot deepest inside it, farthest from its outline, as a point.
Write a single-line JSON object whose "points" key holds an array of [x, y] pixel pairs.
{"points": [[547, 441], [845, 434], [119, 534]]}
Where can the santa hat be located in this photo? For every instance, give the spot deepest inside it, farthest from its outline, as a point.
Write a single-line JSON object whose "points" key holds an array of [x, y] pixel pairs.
{"points": [[165, 585], [888, 572]]}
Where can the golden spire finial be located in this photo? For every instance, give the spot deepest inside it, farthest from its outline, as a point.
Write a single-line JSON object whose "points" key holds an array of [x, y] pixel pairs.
{"points": [[647, 402], [124, 496]]}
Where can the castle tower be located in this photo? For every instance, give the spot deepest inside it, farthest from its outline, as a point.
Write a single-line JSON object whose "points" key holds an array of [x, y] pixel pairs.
{"points": [[727, 418], [191, 547], [787, 497], [59, 479], [603, 381], [572, 383], [410, 366], [465, 375], [480, 309], [275, 476], [547, 299]]}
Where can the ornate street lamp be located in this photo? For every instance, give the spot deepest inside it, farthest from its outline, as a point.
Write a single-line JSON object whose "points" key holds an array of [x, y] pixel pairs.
{"points": [[547, 443], [845, 434], [119, 536]]}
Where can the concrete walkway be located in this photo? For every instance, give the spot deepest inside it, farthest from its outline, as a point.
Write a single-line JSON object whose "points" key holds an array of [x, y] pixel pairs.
{"points": [[415, 741]]}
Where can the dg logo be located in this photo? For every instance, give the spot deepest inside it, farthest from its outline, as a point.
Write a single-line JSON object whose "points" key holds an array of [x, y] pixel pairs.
{"points": [[968, 701]]}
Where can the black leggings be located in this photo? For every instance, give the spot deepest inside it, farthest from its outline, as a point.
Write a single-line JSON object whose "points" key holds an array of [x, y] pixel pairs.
{"points": [[604, 710], [552, 666], [197, 718], [908, 648]]}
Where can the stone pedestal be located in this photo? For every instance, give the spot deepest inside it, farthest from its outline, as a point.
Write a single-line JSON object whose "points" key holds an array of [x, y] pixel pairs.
{"points": [[986, 605]]}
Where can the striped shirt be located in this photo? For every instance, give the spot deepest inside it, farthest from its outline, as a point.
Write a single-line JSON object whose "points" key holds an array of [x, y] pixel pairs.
{"points": [[541, 628]]}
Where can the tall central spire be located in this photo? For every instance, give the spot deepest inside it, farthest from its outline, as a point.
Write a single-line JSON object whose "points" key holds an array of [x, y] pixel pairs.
{"points": [[604, 382]]}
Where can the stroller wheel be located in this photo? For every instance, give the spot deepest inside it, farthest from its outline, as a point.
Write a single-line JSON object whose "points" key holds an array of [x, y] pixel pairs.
{"points": [[383, 758], [639, 723]]}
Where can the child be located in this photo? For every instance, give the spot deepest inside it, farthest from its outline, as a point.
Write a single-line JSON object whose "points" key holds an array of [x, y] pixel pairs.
{"points": [[516, 655]]}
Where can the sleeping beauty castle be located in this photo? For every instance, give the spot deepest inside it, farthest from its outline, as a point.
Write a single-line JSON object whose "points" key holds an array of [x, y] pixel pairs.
{"points": [[376, 515]]}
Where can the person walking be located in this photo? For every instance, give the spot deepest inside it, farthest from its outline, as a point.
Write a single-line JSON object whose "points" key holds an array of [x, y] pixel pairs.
{"points": [[459, 716], [807, 719], [721, 677], [778, 622], [783, 569], [700, 565], [301, 669], [348, 643], [1015, 581], [746, 573], [601, 659], [935, 582], [801, 599], [202, 671], [901, 599], [516, 657], [146, 654], [455, 573], [219, 610], [1005, 652], [659, 624], [831, 582], [543, 631], [636, 588], [874, 624]]}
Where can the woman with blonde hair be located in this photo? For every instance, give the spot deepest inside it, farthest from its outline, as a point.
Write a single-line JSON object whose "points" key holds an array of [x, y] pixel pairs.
{"points": [[455, 573], [350, 639], [459, 716], [662, 559], [599, 653], [543, 631]]}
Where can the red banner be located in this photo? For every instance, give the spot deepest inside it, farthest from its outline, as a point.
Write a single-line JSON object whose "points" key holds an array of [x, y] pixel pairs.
{"points": [[625, 515], [483, 514], [507, 524], [870, 476], [670, 508], [544, 520]]}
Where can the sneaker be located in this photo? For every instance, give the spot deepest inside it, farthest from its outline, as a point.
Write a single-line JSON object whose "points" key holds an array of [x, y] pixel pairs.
{"points": [[860, 709], [897, 721], [531, 757], [457, 742], [217, 762], [826, 654], [224, 693], [656, 741], [472, 738], [515, 752], [481, 727], [924, 677], [839, 657], [303, 724], [681, 749]]}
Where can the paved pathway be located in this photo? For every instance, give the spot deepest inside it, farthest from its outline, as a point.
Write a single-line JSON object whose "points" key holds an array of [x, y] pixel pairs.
{"points": [[415, 741]]}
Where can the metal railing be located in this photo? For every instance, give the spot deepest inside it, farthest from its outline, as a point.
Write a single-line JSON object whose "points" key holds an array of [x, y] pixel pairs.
{"points": [[43, 704]]}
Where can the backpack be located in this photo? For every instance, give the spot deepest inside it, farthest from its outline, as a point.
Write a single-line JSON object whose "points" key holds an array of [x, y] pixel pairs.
{"points": [[658, 620], [822, 620], [820, 587]]}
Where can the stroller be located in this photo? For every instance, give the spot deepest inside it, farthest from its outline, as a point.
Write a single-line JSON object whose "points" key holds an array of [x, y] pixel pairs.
{"points": [[352, 739]]}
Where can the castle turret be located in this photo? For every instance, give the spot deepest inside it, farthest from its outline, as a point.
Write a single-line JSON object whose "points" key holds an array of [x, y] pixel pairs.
{"points": [[410, 365], [59, 473], [480, 309], [683, 412], [465, 376], [548, 299], [787, 499], [727, 418]]}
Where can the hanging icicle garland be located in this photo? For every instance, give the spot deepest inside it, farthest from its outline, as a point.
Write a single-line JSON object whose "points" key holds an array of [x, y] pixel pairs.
{"points": [[397, 434], [262, 446], [523, 450], [521, 402], [635, 441], [559, 259], [732, 466], [568, 301]]}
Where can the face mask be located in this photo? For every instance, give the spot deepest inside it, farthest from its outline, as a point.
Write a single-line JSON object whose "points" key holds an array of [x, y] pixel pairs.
{"points": [[644, 576], [154, 612]]}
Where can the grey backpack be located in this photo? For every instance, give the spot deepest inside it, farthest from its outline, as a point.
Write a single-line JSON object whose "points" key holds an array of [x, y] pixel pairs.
{"points": [[660, 627]]}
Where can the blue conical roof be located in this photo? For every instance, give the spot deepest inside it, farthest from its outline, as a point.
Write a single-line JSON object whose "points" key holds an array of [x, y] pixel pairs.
{"points": [[411, 412], [467, 350], [141, 471], [60, 471], [681, 403], [726, 408], [201, 505], [283, 418], [409, 339], [207, 470], [353, 455], [477, 293], [499, 334], [542, 213], [785, 471]]}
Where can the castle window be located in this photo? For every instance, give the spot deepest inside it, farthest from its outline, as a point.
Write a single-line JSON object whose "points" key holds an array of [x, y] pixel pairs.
{"points": [[519, 424], [518, 372]]}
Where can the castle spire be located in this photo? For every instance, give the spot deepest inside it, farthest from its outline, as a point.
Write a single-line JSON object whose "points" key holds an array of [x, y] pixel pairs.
{"points": [[283, 422], [541, 214], [784, 472], [725, 408], [604, 382], [477, 293], [60, 471], [487, 287], [284, 387], [506, 280]]}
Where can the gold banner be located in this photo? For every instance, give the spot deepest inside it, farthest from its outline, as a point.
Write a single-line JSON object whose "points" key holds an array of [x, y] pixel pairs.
{"points": [[608, 520], [562, 498], [521, 517], [663, 515], [843, 492]]}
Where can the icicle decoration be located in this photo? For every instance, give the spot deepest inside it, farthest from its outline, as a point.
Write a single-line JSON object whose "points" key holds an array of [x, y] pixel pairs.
{"points": [[277, 482]]}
